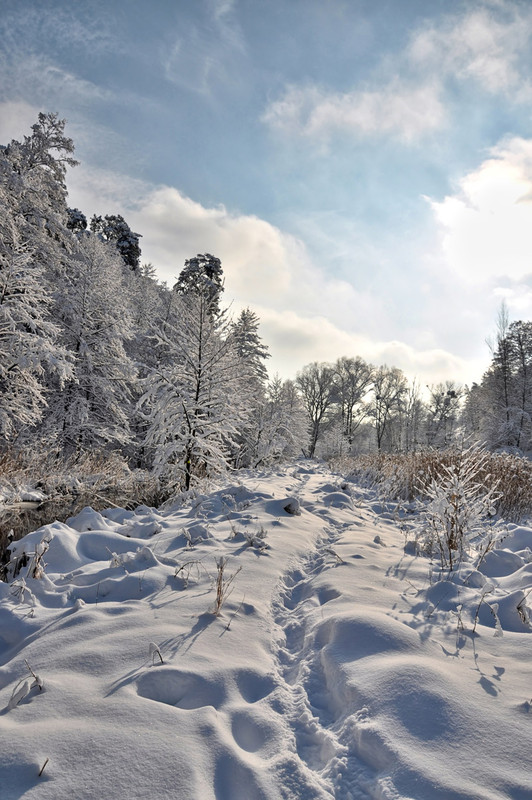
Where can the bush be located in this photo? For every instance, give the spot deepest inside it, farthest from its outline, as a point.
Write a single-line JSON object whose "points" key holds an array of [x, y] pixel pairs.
{"points": [[408, 476], [65, 487], [459, 514]]}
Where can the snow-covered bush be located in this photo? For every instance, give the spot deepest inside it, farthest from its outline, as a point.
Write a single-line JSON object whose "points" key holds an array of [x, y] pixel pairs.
{"points": [[459, 514], [36, 489], [24, 687]]}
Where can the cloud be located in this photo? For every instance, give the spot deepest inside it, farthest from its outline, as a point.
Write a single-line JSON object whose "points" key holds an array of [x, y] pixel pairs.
{"points": [[25, 30], [485, 44], [34, 42], [399, 109], [488, 45], [206, 52], [297, 339], [487, 224], [16, 119], [306, 315], [37, 78]]}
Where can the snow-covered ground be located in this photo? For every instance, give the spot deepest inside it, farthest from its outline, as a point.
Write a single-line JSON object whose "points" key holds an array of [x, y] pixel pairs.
{"points": [[339, 666]]}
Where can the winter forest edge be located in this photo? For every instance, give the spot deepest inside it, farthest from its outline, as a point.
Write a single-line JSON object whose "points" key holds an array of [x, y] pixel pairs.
{"points": [[106, 371]]}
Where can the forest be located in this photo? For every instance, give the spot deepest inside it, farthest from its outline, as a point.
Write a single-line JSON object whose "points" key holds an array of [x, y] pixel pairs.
{"points": [[101, 363]]}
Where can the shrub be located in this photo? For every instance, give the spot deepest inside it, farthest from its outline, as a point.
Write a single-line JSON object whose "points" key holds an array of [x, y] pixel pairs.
{"points": [[459, 514], [408, 476], [91, 479]]}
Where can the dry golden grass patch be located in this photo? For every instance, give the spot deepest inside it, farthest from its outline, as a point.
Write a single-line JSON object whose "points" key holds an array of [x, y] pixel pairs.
{"points": [[407, 476]]}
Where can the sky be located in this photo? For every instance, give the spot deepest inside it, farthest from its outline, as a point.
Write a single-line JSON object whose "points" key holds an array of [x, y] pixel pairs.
{"points": [[363, 168]]}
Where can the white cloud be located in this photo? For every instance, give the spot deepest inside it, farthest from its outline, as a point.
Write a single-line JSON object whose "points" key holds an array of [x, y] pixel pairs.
{"points": [[488, 44], [206, 53], [34, 41], [296, 339], [485, 44], [26, 29], [487, 224], [305, 314], [407, 111], [16, 119], [38, 79]]}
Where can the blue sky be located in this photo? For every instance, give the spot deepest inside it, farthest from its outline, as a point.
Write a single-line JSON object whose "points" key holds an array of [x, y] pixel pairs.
{"points": [[363, 169]]}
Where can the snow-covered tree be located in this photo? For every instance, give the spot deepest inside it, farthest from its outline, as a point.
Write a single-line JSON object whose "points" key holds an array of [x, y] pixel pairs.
{"points": [[93, 409], [252, 354], [352, 380], [114, 228], [520, 340], [202, 275], [29, 349], [443, 412], [499, 410], [249, 346], [77, 221], [46, 151], [32, 216], [193, 400], [285, 421], [389, 389], [412, 412]]}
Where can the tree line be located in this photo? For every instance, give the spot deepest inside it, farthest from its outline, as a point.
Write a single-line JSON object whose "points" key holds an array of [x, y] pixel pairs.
{"points": [[97, 354]]}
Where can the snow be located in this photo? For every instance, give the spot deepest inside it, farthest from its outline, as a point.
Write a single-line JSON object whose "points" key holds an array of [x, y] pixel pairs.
{"points": [[340, 665]]}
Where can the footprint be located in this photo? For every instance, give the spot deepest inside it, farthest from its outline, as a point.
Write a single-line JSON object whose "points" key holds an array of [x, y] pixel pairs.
{"points": [[299, 593], [249, 732], [327, 594], [253, 686], [234, 780], [181, 689]]}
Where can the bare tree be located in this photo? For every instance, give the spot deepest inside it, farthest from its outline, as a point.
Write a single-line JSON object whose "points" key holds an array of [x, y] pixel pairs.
{"points": [[443, 413], [390, 387], [352, 380], [316, 384]]}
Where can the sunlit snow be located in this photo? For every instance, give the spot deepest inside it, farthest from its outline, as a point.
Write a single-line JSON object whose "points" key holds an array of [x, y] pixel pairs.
{"points": [[340, 665]]}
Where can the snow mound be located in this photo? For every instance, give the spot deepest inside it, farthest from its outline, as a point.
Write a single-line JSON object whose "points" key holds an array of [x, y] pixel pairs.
{"points": [[227, 648]]}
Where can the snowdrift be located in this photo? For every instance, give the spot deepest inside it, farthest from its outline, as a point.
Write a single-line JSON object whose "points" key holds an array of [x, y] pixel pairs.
{"points": [[271, 639]]}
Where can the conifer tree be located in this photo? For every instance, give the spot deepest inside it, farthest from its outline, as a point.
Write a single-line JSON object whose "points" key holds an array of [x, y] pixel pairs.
{"points": [[202, 275]]}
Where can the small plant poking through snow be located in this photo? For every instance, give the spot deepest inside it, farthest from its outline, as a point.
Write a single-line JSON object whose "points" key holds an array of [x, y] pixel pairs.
{"points": [[224, 584], [23, 594], [256, 539], [338, 558], [191, 543], [454, 519], [524, 611], [190, 569], [155, 654], [34, 561], [43, 767], [24, 687], [116, 560]]}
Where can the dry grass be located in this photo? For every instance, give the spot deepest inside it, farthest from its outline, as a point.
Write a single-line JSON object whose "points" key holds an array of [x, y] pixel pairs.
{"points": [[407, 476], [224, 584], [91, 479]]}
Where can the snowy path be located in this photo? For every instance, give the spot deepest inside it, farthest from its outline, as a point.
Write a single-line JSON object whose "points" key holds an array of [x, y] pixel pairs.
{"points": [[311, 701], [336, 669]]}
